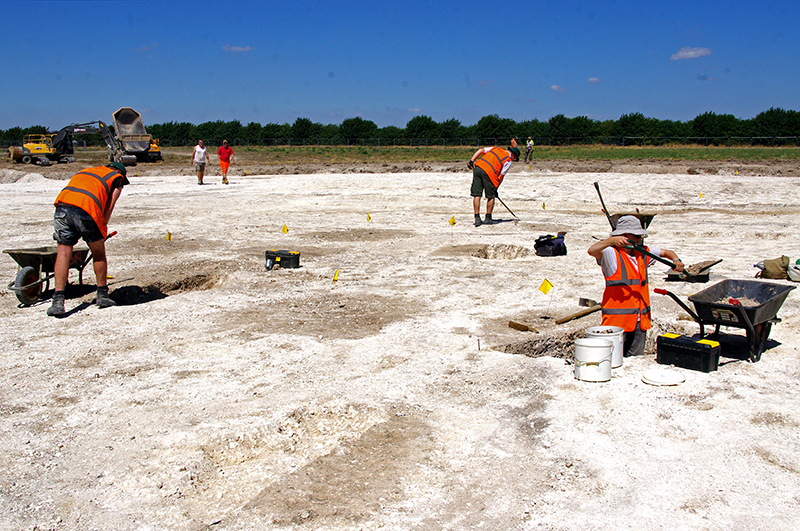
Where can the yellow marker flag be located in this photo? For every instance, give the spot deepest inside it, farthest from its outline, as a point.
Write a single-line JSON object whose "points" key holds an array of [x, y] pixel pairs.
{"points": [[546, 286], [368, 218], [452, 220], [542, 205], [336, 276], [701, 195], [169, 236], [285, 229]]}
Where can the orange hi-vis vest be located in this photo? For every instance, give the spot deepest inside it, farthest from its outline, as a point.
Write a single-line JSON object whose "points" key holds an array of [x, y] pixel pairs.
{"points": [[90, 190], [492, 162], [626, 298]]}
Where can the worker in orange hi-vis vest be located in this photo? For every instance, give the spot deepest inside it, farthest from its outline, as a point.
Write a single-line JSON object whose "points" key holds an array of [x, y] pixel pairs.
{"points": [[83, 209], [489, 166], [626, 299]]}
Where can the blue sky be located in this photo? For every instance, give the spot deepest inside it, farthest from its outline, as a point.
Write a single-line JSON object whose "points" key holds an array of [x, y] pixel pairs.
{"points": [[274, 62]]}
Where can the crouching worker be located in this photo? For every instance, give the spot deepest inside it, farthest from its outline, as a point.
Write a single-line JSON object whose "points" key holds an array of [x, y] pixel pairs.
{"points": [[626, 299], [83, 209]]}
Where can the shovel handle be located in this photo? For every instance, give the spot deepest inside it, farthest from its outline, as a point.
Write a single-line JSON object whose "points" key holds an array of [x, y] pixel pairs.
{"points": [[651, 255], [605, 210]]}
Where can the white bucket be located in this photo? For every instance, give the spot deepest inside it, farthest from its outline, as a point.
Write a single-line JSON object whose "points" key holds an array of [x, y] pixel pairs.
{"points": [[615, 334], [593, 359]]}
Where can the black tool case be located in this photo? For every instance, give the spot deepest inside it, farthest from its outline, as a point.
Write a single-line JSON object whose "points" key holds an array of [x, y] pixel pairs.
{"points": [[685, 352]]}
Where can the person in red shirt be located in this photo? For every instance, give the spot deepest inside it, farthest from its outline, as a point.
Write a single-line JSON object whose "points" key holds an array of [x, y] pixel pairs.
{"points": [[225, 159]]}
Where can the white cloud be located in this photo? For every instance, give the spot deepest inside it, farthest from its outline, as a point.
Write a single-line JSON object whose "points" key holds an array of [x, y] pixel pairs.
{"points": [[594, 80], [416, 109], [557, 88], [688, 52], [229, 48], [146, 48]]}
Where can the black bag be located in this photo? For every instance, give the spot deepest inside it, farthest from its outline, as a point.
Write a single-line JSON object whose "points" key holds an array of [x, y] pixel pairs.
{"points": [[550, 245]]}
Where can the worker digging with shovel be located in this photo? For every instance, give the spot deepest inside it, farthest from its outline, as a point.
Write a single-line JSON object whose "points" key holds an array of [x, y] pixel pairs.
{"points": [[626, 299], [489, 165]]}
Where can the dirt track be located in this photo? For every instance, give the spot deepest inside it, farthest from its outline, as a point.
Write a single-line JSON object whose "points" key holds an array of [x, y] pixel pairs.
{"points": [[220, 395]]}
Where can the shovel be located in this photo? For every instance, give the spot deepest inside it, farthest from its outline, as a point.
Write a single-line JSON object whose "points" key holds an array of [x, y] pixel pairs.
{"points": [[592, 306]]}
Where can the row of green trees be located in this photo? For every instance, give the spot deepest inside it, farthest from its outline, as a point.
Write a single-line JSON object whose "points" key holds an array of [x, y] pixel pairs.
{"points": [[775, 122]]}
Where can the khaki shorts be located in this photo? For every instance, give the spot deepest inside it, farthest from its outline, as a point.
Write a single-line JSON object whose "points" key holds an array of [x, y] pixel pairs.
{"points": [[200, 166], [481, 183]]}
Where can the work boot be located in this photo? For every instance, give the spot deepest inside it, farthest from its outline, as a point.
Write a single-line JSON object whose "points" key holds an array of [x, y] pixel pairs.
{"points": [[224, 180], [103, 300], [57, 308], [478, 221], [489, 220]]}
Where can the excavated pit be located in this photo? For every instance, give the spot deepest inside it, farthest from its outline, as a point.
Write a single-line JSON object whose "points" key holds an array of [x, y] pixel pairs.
{"points": [[501, 252], [558, 344], [132, 294]]}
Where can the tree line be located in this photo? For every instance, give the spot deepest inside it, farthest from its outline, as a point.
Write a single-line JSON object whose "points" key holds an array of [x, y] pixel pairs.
{"points": [[774, 123]]}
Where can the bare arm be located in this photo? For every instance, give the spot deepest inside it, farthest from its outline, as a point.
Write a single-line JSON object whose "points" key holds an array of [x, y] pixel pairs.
{"points": [[670, 255], [477, 154], [596, 250], [115, 193]]}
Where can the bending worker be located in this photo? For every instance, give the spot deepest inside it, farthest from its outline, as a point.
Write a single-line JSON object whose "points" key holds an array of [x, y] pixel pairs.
{"points": [[489, 165], [83, 209], [626, 299]]}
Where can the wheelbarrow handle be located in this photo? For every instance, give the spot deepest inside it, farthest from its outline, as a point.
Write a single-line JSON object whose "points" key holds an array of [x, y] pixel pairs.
{"points": [[662, 291]]}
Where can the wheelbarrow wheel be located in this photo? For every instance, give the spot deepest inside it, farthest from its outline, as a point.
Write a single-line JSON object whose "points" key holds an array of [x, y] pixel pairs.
{"points": [[25, 276]]}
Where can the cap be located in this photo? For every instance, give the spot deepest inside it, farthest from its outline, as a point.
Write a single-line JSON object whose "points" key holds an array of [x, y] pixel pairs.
{"points": [[515, 151], [629, 225], [121, 169]]}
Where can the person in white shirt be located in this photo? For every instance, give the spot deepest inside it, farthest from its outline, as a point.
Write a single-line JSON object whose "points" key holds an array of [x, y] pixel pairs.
{"points": [[199, 159]]}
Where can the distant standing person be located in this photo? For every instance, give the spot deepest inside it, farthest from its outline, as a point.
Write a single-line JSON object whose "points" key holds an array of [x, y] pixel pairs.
{"points": [[83, 209], [489, 166], [529, 150], [225, 153], [199, 159]]}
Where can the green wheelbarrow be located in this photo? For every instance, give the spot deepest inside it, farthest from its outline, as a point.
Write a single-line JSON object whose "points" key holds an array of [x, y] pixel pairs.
{"points": [[38, 261]]}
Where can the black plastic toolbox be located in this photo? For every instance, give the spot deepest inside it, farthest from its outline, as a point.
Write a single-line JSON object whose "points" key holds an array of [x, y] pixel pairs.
{"points": [[282, 258], [682, 351]]}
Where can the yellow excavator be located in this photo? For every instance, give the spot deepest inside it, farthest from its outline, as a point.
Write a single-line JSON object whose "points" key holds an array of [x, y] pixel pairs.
{"points": [[46, 148], [130, 143]]}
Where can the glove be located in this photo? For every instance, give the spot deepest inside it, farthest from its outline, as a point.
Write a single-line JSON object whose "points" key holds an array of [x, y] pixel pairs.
{"points": [[470, 164]]}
